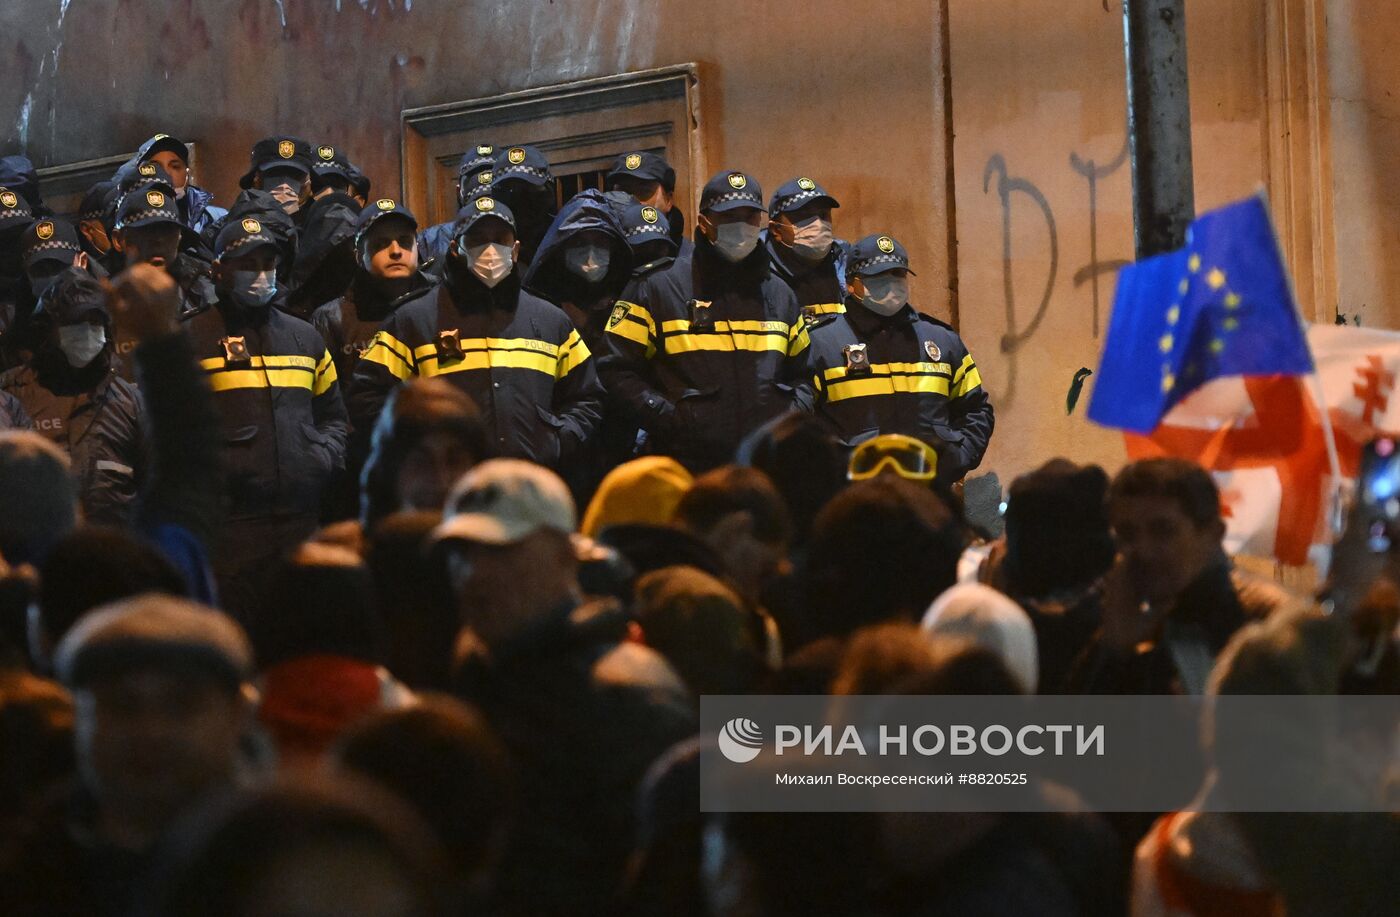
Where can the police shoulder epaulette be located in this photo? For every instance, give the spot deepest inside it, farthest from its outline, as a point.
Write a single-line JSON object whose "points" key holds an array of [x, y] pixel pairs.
{"points": [[925, 317], [194, 311], [817, 321], [652, 266]]}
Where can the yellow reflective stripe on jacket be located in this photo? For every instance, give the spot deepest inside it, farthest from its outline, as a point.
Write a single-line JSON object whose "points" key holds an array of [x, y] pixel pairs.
{"points": [[967, 379], [571, 356], [262, 372], [679, 337], [392, 354], [491, 353], [230, 379], [885, 369], [887, 379], [824, 308], [260, 362], [325, 375], [798, 340]]}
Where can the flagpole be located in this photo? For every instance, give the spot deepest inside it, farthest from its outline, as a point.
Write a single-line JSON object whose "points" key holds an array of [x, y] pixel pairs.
{"points": [[1335, 522]]}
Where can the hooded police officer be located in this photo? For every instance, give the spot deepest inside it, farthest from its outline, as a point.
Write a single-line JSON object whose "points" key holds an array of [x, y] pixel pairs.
{"points": [[880, 367], [707, 348], [280, 409], [518, 356], [74, 396]]}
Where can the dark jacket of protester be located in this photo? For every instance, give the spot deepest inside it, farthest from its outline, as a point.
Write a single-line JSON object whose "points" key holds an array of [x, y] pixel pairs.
{"points": [[91, 413], [581, 737], [517, 356], [1195, 629], [921, 381], [701, 352]]}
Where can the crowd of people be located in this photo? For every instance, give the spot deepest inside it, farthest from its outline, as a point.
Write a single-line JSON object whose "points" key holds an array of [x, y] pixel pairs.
{"points": [[350, 566]]}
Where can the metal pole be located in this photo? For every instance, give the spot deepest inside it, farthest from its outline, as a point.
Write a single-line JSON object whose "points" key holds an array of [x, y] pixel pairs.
{"points": [[1159, 123]]}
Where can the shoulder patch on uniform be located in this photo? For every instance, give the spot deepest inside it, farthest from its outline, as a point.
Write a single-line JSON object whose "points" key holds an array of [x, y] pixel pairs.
{"points": [[652, 266], [619, 312]]}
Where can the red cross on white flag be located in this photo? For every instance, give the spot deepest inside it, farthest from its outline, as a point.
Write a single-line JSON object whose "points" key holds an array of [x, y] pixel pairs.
{"points": [[1263, 438]]}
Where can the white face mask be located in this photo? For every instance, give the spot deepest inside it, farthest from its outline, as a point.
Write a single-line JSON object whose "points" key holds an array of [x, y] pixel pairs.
{"points": [[81, 343], [885, 294], [735, 241], [254, 288], [180, 192], [492, 263], [588, 261], [288, 196], [812, 239]]}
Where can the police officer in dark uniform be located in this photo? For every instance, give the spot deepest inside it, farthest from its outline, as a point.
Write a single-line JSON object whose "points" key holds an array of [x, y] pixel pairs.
{"points": [[648, 235], [804, 252], [280, 410], [16, 298], [173, 155], [882, 367], [148, 228], [521, 179], [651, 181], [333, 172], [386, 277], [281, 166], [518, 356], [475, 162], [76, 399], [51, 246], [705, 349], [96, 214]]}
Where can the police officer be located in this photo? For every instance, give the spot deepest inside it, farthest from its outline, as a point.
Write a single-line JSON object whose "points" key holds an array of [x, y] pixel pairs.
{"points": [[706, 348], [280, 410], [473, 173], [386, 276], [803, 250], [518, 356], [16, 298], [148, 228], [50, 247], [281, 166], [332, 171], [650, 180], [882, 367], [173, 155], [96, 214], [521, 179], [648, 235], [76, 399]]}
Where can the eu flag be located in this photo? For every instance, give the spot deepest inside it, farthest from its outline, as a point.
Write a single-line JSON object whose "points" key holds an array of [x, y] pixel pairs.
{"points": [[1221, 306]]}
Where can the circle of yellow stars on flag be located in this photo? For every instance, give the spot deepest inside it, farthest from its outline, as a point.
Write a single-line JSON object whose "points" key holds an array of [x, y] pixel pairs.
{"points": [[1218, 290]]}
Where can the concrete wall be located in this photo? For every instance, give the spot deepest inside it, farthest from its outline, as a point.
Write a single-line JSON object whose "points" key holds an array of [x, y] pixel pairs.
{"points": [[1044, 214]]}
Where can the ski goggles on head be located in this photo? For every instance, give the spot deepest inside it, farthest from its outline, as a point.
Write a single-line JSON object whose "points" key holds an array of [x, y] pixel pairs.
{"points": [[905, 456]]}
